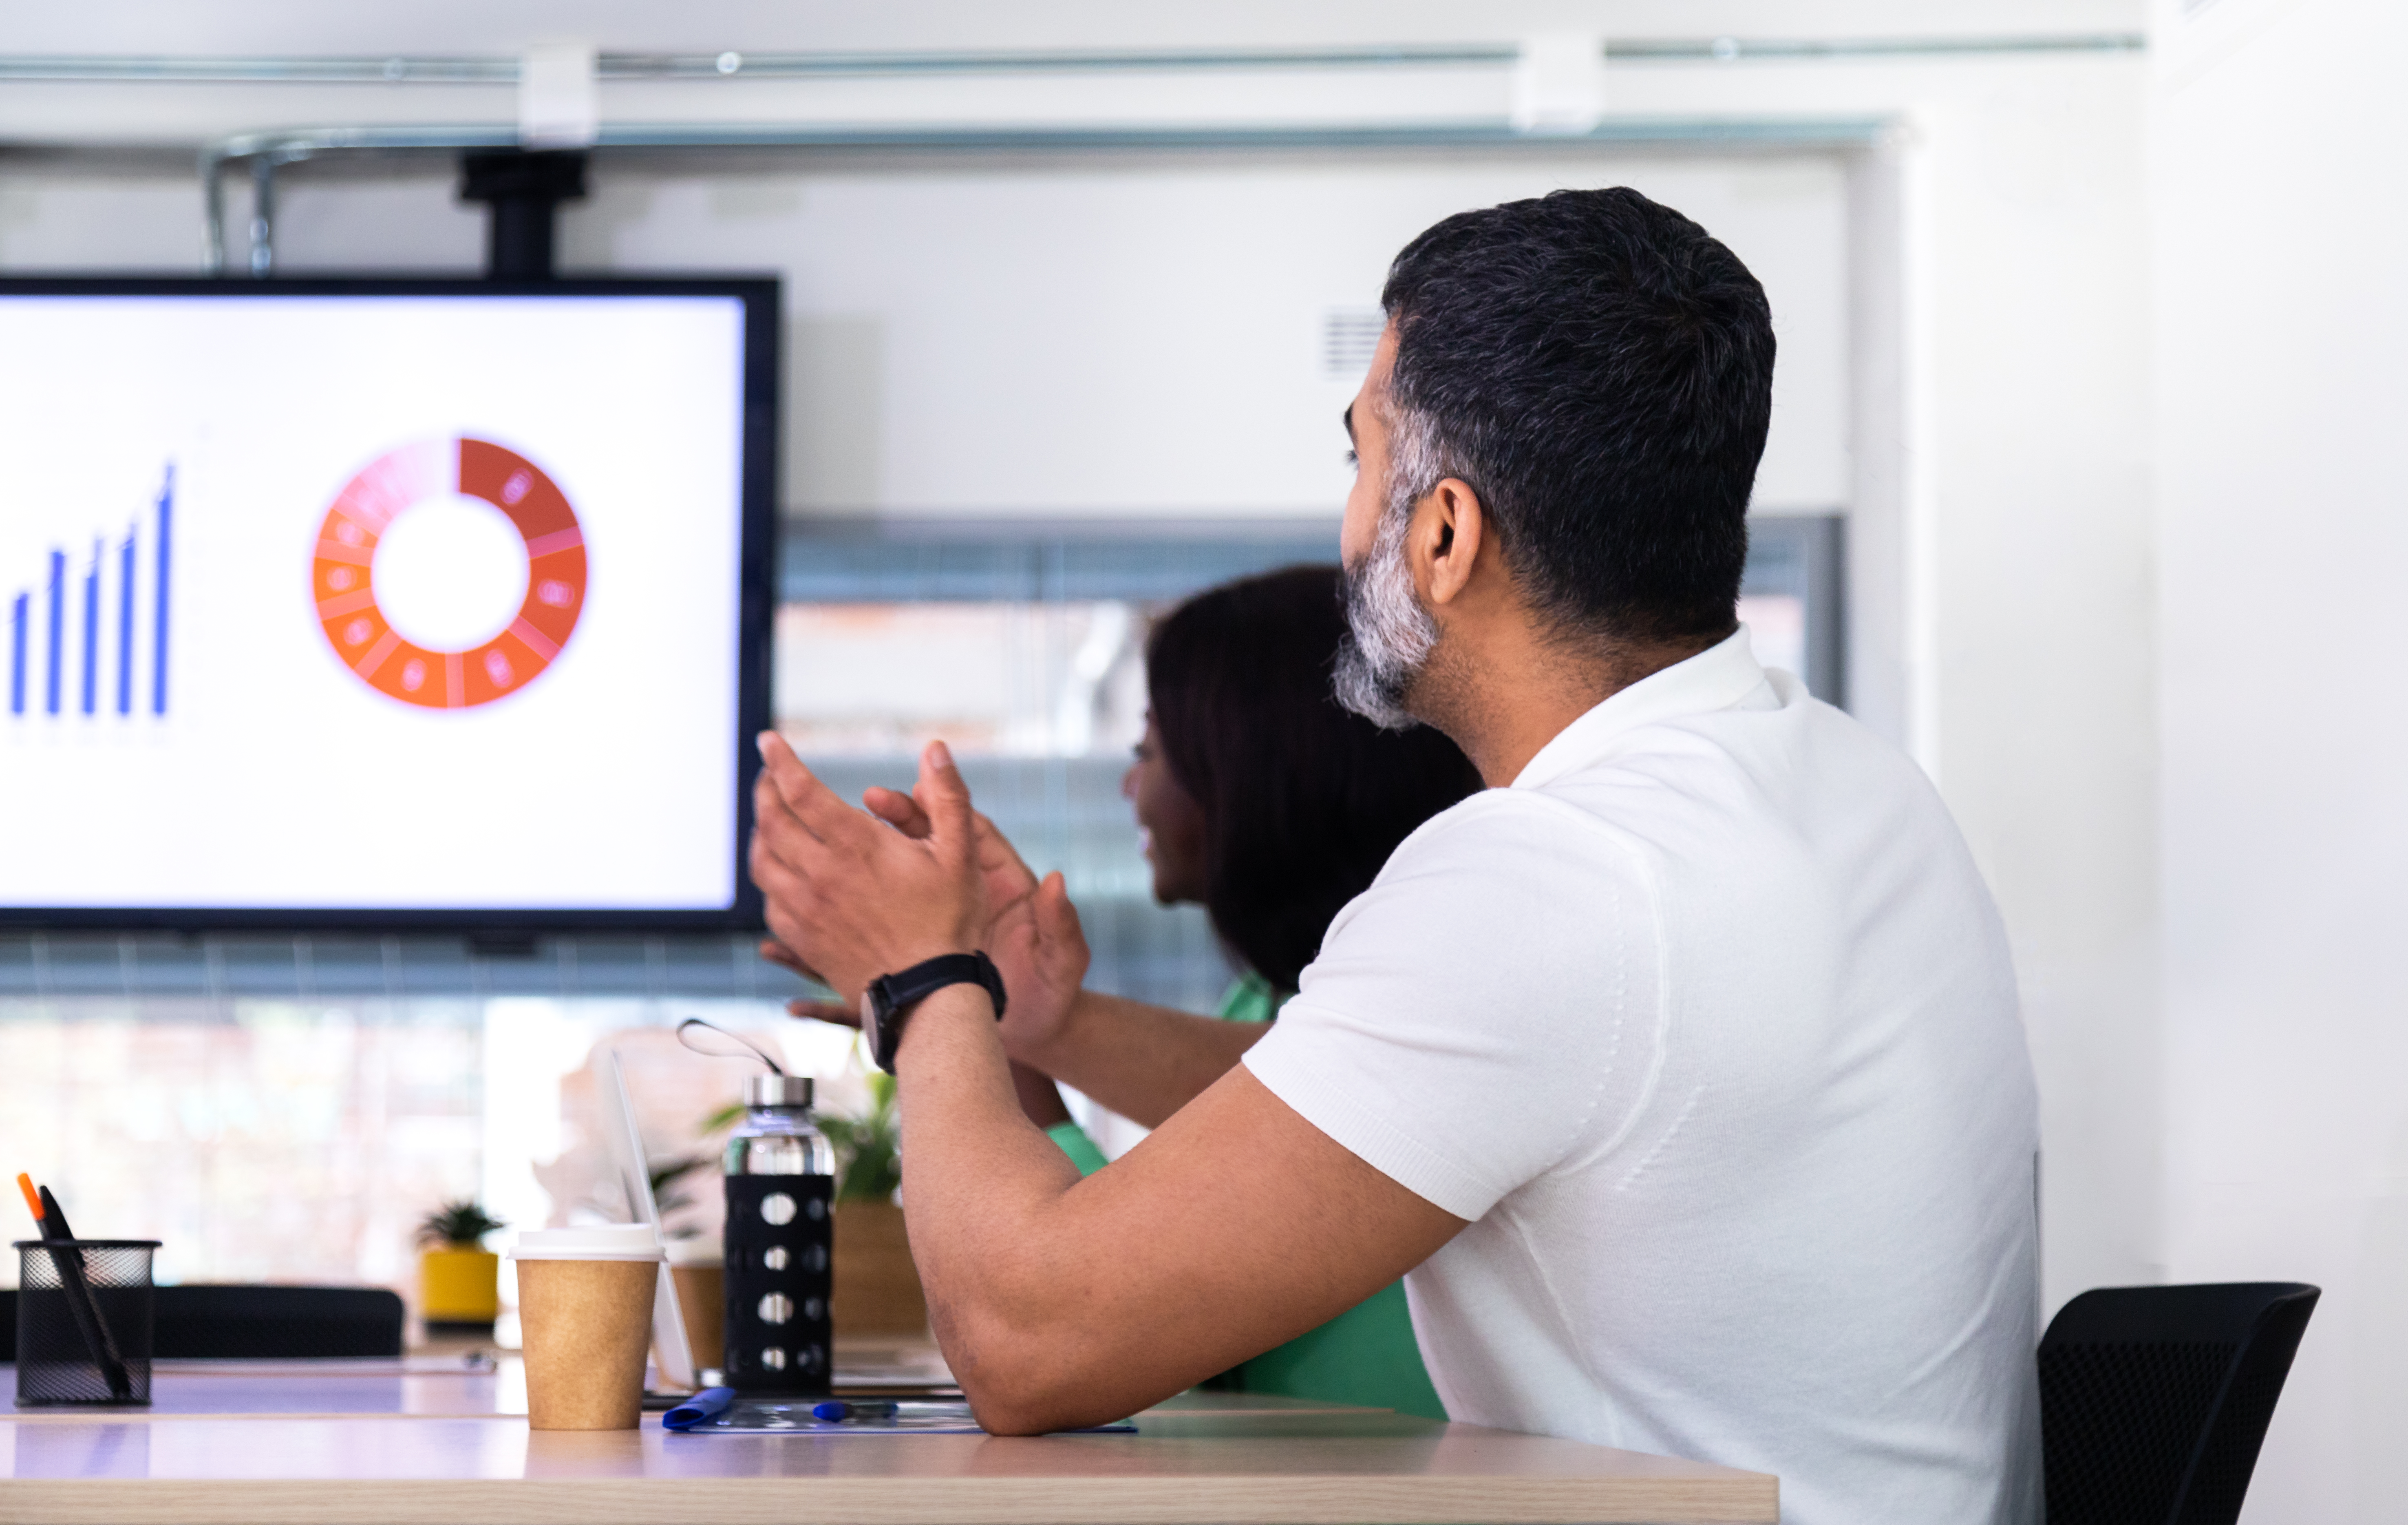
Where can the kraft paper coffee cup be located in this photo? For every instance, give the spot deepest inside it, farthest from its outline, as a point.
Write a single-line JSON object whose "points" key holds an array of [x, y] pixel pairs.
{"points": [[585, 1320]]}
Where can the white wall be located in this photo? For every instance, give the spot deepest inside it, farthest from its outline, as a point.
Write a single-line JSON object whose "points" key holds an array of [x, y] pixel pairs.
{"points": [[2282, 230], [1123, 337], [2029, 612]]}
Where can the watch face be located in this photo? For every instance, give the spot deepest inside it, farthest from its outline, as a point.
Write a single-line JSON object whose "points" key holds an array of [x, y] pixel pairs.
{"points": [[869, 1019]]}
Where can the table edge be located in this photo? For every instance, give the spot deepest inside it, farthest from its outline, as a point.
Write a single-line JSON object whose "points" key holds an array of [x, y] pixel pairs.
{"points": [[1733, 1498]]}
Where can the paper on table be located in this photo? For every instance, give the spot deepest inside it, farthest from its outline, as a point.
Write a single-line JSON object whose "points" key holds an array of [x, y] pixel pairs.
{"points": [[636, 1181]]}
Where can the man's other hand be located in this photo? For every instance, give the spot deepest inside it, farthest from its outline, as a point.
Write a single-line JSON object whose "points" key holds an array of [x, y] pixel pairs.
{"points": [[849, 898], [1040, 950], [825, 1010], [1035, 938]]}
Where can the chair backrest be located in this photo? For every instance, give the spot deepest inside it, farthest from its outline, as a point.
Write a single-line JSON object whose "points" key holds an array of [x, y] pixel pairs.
{"points": [[254, 1323], [257, 1323], [2154, 1400]]}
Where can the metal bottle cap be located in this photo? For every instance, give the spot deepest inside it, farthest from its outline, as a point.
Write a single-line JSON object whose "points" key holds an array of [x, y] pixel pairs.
{"points": [[777, 1090]]}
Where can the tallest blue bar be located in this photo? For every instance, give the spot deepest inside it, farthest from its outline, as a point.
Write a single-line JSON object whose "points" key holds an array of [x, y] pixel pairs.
{"points": [[16, 656], [159, 628], [58, 629]]}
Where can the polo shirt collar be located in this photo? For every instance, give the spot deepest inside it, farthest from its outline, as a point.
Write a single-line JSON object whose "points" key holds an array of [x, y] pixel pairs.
{"points": [[1715, 679]]}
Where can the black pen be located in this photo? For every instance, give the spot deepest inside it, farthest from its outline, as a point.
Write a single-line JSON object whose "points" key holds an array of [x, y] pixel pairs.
{"points": [[839, 1410]]}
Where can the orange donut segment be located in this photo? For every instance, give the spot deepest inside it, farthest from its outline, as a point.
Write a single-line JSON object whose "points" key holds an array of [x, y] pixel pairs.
{"points": [[342, 580]]}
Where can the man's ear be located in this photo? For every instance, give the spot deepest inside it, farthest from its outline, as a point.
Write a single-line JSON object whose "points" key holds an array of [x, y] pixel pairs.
{"points": [[1450, 528]]}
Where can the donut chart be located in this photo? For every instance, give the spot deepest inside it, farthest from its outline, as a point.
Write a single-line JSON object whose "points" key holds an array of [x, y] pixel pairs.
{"points": [[342, 583]]}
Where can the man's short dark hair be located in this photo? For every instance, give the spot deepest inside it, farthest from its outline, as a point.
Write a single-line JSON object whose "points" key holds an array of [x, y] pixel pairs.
{"points": [[1302, 800], [1599, 368]]}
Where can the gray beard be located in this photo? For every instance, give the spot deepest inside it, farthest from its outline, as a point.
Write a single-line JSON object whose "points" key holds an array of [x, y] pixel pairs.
{"points": [[1389, 635]]}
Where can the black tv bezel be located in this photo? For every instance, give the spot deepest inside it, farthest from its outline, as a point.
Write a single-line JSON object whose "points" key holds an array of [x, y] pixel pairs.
{"points": [[756, 605]]}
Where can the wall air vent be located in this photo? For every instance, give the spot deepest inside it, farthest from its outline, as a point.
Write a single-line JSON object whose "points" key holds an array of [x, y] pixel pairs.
{"points": [[1349, 336]]}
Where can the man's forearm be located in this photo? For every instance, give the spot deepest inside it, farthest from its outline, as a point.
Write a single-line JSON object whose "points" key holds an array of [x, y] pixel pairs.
{"points": [[1144, 1062], [1060, 1302], [978, 1177], [1019, 1300]]}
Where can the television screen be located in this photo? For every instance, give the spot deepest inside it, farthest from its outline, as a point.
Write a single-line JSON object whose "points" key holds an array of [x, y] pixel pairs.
{"points": [[382, 604]]}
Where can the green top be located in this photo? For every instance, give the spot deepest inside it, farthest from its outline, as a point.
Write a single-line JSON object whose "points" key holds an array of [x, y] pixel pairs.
{"points": [[1365, 1356]]}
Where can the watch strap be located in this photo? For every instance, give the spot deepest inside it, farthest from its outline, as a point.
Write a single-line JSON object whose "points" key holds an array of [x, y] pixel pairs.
{"points": [[894, 995]]}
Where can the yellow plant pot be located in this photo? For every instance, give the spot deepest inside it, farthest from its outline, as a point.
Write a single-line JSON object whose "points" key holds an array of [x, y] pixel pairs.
{"points": [[458, 1285]]}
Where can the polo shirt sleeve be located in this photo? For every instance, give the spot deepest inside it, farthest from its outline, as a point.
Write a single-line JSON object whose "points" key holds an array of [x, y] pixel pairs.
{"points": [[1487, 1009]]}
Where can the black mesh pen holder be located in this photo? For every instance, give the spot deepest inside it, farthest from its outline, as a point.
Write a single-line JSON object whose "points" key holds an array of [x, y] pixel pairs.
{"points": [[83, 1321]]}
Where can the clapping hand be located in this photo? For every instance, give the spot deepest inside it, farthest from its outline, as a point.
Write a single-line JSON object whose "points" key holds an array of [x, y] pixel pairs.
{"points": [[849, 898], [1033, 932]]}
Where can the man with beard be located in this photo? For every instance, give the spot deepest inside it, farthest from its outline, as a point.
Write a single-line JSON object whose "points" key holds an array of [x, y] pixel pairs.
{"points": [[1680, 1070]]}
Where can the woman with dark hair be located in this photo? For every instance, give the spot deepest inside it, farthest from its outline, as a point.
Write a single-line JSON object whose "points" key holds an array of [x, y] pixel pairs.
{"points": [[1299, 801], [1259, 798]]}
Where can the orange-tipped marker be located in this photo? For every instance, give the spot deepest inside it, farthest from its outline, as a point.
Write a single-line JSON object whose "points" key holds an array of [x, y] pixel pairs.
{"points": [[33, 1199]]}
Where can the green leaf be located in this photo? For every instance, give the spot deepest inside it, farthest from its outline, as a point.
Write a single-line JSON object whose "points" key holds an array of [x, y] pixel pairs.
{"points": [[458, 1224], [869, 1148]]}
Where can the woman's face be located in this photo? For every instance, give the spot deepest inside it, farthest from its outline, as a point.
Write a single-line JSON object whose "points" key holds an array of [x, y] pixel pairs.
{"points": [[1171, 824]]}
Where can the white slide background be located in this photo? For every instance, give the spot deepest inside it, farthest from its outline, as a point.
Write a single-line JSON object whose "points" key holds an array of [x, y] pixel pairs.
{"points": [[276, 778]]}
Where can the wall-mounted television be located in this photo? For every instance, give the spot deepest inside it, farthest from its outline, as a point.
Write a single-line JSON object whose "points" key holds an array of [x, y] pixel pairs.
{"points": [[383, 604]]}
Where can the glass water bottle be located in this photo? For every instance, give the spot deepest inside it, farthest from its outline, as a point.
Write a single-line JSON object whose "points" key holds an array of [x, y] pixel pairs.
{"points": [[780, 1197]]}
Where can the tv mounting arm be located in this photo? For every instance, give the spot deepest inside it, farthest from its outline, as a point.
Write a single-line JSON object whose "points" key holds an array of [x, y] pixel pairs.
{"points": [[523, 190]]}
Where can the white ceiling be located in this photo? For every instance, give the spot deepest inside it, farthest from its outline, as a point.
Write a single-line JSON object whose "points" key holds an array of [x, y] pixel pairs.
{"points": [[322, 27]]}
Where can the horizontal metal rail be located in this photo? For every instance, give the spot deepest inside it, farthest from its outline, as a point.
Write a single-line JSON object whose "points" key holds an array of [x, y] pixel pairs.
{"points": [[268, 152], [491, 69], [1738, 50], [174, 69]]}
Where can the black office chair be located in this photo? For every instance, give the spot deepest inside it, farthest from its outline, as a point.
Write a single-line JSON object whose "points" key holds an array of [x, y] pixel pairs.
{"points": [[257, 1323], [2154, 1400]]}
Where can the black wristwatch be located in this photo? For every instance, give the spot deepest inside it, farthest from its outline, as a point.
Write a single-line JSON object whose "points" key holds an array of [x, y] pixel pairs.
{"points": [[886, 1005]]}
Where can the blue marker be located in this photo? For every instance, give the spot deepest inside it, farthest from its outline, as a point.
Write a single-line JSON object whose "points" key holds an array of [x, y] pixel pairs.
{"points": [[701, 1408]]}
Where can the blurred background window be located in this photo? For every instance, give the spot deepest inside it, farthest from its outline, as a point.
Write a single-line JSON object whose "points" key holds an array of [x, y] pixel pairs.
{"points": [[1025, 651], [285, 1108]]}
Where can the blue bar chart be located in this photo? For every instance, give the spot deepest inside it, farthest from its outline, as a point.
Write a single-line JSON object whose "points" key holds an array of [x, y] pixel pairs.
{"points": [[165, 540], [62, 614]]}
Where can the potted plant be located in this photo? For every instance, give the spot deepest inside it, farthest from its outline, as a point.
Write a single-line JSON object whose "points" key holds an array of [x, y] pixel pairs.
{"points": [[877, 1286], [458, 1276]]}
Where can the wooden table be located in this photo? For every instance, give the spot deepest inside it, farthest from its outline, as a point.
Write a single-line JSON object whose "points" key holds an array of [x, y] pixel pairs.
{"points": [[340, 1443]]}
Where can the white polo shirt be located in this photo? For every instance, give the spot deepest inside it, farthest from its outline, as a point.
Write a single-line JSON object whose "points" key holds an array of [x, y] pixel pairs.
{"points": [[1707, 1025]]}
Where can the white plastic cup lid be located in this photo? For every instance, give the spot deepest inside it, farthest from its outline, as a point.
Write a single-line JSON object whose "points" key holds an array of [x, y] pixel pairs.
{"points": [[701, 1250], [606, 1242]]}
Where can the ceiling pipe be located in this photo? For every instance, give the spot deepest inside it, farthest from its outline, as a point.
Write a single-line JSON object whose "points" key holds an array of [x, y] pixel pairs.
{"points": [[275, 150]]}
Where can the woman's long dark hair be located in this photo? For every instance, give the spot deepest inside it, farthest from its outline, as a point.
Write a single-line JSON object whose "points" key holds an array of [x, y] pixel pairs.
{"points": [[1303, 801]]}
